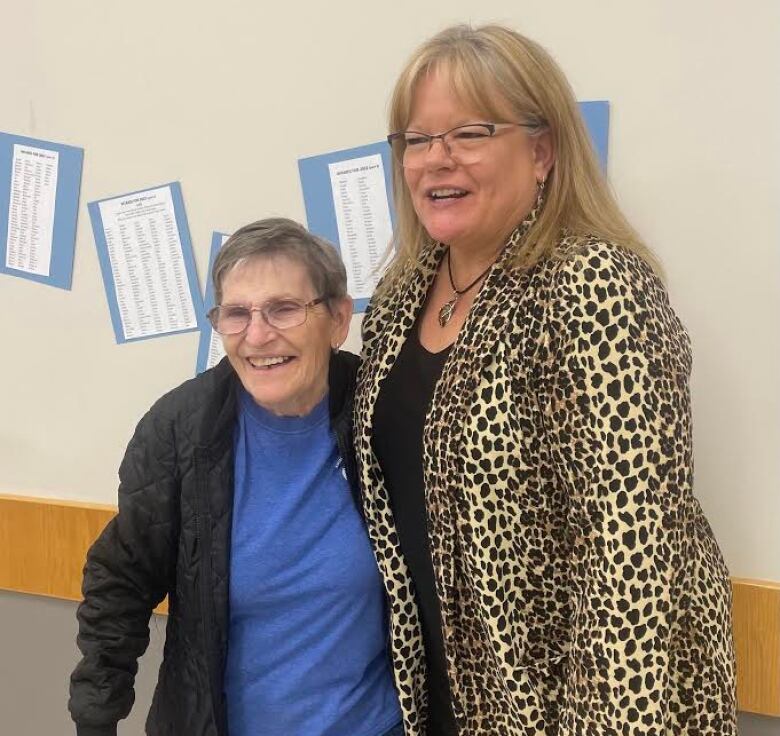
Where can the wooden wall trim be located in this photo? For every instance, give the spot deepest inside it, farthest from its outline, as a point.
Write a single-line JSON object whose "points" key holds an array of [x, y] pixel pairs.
{"points": [[45, 541], [757, 640]]}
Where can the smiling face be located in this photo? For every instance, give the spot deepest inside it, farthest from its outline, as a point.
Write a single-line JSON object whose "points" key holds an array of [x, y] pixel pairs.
{"points": [[472, 206], [285, 371]]}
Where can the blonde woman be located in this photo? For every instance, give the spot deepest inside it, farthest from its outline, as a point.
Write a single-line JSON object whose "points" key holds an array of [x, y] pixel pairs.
{"points": [[523, 426]]}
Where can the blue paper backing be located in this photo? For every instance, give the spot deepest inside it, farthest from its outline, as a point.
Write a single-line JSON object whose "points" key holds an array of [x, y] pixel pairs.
{"points": [[108, 277], [318, 195], [70, 163], [208, 302], [596, 116]]}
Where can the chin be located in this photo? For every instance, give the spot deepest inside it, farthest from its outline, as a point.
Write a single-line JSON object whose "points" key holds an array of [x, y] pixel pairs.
{"points": [[448, 236], [266, 396], [444, 232]]}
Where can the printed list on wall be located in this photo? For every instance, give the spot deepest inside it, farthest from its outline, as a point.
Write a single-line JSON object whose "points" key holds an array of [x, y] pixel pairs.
{"points": [[147, 265], [39, 194]]}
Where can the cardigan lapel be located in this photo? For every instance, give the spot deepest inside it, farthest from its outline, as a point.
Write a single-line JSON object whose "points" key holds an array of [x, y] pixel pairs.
{"points": [[491, 310], [397, 321], [396, 318]]}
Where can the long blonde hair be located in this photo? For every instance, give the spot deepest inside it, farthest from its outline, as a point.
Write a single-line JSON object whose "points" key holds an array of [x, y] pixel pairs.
{"points": [[493, 67]]}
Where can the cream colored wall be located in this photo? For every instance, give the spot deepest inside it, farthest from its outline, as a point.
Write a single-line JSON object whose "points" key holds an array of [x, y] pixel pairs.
{"points": [[226, 96]]}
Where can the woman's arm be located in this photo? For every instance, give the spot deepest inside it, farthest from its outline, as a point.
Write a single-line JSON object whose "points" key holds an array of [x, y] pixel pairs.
{"points": [[614, 393], [129, 570]]}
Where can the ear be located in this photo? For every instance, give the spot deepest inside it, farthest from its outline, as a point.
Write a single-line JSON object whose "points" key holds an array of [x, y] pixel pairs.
{"points": [[543, 153], [341, 313]]}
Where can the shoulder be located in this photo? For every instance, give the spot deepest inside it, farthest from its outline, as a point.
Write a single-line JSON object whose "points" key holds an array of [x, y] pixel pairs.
{"points": [[591, 273], [597, 290], [346, 364], [598, 263], [342, 377], [194, 391], [192, 405]]}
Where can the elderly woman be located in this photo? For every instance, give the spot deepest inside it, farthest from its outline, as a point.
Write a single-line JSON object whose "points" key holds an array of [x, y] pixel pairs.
{"points": [[237, 501], [523, 426]]}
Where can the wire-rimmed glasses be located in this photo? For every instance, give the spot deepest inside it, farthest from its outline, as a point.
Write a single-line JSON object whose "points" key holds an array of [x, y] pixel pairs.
{"points": [[465, 144], [281, 314]]}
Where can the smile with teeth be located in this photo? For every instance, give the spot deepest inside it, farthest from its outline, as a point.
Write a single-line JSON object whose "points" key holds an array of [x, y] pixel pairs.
{"points": [[447, 193], [269, 361]]}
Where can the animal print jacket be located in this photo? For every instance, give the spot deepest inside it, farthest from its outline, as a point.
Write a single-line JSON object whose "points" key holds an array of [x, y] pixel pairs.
{"points": [[582, 592]]}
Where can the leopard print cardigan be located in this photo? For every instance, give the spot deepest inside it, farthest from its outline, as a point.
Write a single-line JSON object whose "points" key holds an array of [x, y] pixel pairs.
{"points": [[582, 591]]}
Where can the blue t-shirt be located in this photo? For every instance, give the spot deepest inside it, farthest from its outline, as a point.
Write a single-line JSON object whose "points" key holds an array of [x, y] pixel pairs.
{"points": [[306, 648]]}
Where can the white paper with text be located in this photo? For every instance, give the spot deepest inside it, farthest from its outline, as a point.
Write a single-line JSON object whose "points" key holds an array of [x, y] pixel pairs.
{"points": [[363, 220], [147, 263], [31, 209]]}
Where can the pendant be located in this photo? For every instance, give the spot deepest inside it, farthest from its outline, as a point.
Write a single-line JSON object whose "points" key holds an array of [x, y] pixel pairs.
{"points": [[446, 312]]}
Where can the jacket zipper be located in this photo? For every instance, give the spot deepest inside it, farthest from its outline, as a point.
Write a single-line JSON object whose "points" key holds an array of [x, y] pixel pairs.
{"points": [[203, 535]]}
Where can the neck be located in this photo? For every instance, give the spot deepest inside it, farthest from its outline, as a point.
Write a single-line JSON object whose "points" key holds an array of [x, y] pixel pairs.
{"points": [[468, 262], [469, 258], [299, 406]]}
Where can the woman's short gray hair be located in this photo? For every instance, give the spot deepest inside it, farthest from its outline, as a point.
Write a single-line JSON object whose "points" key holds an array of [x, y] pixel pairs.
{"points": [[278, 236]]}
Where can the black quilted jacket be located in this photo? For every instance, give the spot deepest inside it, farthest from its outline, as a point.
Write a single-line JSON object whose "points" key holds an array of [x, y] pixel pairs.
{"points": [[172, 537]]}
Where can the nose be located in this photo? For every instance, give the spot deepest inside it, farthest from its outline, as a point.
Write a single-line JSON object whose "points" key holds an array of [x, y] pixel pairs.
{"points": [[438, 155], [258, 331]]}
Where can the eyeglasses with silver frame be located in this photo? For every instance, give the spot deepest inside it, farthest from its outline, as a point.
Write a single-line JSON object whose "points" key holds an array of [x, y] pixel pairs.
{"points": [[464, 143], [281, 314]]}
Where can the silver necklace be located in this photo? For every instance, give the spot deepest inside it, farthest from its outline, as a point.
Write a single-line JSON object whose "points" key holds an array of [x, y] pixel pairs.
{"points": [[446, 312]]}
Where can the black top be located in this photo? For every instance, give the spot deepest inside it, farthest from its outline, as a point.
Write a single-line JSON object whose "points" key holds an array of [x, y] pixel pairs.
{"points": [[399, 418]]}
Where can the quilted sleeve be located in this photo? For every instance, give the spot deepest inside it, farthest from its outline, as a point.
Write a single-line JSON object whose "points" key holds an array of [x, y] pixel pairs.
{"points": [[614, 396], [129, 570]]}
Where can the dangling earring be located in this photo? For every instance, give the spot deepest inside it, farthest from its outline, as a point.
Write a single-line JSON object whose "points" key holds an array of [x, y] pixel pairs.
{"points": [[335, 348], [540, 193]]}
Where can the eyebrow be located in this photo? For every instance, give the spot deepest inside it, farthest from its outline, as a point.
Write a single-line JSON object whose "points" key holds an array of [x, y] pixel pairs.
{"points": [[280, 298], [464, 120]]}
